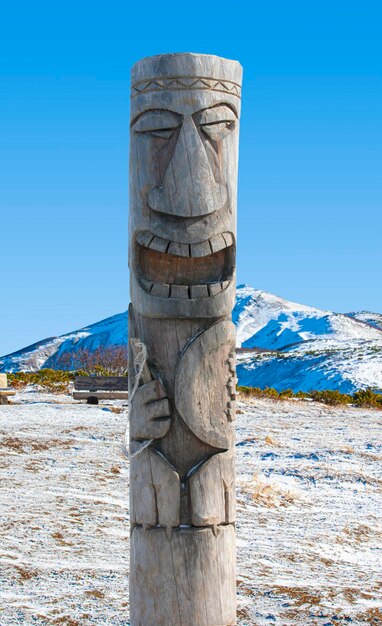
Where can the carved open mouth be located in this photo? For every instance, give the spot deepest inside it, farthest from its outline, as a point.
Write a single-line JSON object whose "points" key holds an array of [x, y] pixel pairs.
{"points": [[168, 269]]}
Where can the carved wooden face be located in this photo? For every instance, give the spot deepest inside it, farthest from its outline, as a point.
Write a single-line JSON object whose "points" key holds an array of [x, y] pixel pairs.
{"points": [[183, 179]]}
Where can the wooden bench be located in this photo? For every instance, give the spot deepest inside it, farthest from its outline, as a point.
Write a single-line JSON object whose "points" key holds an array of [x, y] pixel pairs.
{"points": [[5, 391], [94, 388]]}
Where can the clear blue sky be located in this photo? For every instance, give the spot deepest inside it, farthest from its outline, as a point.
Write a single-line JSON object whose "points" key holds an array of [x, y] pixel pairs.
{"points": [[310, 201]]}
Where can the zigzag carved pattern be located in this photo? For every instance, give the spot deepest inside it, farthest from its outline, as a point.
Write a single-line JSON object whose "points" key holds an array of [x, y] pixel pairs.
{"points": [[185, 82]]}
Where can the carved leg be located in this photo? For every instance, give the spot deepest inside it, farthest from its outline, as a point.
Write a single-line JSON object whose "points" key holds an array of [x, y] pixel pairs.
{"points": [[154, 492], [212, 492]]}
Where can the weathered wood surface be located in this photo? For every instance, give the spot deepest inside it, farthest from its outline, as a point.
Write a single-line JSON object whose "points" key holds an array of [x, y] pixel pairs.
{"points": [[183, 176], [101, 383], [3, 381], [101, 387], [101, 395], [189, 580]]}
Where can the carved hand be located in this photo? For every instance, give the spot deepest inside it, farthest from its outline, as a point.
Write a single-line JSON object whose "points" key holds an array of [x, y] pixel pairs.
{"points": [[150, 411]]}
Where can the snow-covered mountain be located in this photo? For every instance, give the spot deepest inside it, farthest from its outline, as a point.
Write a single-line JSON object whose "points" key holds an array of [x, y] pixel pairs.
{"points": [[374, 319], [283, 344], [48, 353], [310, 348]]}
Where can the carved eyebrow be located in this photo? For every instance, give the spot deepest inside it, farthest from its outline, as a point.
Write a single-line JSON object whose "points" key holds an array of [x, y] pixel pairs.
{"points": [[156, 119], [214, 115]]}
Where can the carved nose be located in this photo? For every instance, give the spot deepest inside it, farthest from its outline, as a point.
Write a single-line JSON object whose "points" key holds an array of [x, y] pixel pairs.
{"points": [[189, 188]]}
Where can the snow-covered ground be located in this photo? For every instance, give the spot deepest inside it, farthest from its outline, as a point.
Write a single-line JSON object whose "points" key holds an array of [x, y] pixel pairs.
{"points": [[309, 494]]}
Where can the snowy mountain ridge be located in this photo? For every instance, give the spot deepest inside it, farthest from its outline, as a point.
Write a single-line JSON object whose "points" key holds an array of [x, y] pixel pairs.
{"points": [[111, 331], [267, 321], [294, 345]]}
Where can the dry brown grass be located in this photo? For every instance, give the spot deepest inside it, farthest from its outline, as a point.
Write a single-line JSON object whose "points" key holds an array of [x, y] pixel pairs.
{"points": [[67, 621], [95, 593], [345, 450], [299, 595], [25, 446], [371, 616], [272, 442], [116, 409], [61, 539], [25, 573], [244, 614], [358, 533], [33, 465], [268, 493]]}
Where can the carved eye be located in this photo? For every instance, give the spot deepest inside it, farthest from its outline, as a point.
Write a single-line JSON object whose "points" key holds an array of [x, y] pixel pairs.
{"points": [[218, 130], [163, 133], [216, 122], [158, 123]]}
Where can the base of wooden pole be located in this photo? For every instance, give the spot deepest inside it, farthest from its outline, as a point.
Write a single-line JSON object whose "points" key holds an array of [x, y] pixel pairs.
{"points": [[187, 580]]}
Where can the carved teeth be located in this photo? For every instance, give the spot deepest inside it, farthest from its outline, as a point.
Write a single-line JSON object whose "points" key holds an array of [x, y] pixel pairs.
{"points": [[217, 243], [230, 415], [147, 284], [200, 249], [203, 248], [179, 249], [168, 532], [159, 244], [192, 292], [160, 289], [214, 288], [215, 529], [231, 388], [144, 238], [198, 291], [228, 237], [179, 291]]}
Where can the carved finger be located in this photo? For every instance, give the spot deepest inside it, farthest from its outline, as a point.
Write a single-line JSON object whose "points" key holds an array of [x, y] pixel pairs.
{"points": [[151, 429], [153, 425], [157, 409]]}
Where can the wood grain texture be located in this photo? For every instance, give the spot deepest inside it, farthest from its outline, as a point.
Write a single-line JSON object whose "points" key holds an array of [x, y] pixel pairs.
{"points": [[185, 112], [189, 580], [202, 391], [212, 492], [154, 491]]}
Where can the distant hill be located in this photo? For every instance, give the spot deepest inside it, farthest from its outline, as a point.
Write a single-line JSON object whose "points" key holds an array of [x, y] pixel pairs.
{"points": [[316, 349], [297, 346], [47, 353], [373, 319]]}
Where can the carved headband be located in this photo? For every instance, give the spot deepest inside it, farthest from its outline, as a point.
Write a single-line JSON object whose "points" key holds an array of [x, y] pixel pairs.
{"points": [[176, 83]]}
